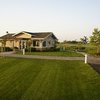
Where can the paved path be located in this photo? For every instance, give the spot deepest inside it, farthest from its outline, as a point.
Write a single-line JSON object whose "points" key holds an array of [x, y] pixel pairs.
{"points": [[42, 57], [6, 53], [95, 63], [91, 59]]}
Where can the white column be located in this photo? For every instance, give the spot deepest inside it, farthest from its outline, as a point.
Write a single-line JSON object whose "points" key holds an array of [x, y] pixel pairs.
{"points": [[23, 51], [40, 43], [86, 56]]}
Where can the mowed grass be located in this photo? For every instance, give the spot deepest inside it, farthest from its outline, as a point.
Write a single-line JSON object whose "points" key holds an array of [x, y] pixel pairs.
{"points": [[30, 79], [65, 54]]}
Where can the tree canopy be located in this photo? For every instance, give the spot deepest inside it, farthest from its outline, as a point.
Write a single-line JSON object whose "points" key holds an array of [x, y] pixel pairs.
{"points": [[84, 40], [95, 38]]}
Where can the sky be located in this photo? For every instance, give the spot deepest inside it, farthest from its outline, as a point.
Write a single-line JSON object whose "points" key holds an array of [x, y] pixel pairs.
{"points": [[67, 19]]}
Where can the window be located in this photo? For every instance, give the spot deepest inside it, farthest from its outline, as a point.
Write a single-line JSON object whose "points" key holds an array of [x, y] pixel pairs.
{"points": [[49, 42], [44, 43], [35, 43]]}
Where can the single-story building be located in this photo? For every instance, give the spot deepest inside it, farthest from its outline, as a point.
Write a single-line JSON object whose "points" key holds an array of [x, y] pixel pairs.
{"points": [[39, 40]]}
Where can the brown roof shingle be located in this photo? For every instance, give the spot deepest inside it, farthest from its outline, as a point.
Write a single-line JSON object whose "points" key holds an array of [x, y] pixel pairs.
{"points": [[33, 35], [7, 36], [39, 34]]}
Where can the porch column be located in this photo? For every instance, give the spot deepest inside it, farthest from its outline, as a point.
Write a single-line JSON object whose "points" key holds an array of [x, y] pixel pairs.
{"points": [[19, 44], [40, 42], [13, 45]]}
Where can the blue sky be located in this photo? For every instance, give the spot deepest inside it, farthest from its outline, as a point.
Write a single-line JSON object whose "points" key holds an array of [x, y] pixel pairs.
{"points": [[68, 19]]}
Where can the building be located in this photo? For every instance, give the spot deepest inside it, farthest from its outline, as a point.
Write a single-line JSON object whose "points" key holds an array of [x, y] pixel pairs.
{"points": [[39, 41]]}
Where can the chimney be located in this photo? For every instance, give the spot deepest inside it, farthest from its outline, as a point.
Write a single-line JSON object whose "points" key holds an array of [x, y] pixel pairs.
{"points": [[7, 32]]}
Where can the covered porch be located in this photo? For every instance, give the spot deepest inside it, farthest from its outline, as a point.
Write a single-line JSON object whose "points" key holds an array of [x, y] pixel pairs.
{"points": [[28, 43]]}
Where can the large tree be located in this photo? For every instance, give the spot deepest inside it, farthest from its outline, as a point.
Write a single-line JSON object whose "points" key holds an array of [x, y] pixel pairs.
{"points": [[29, 43], [84, 40], [3, 44], [95, 38]]}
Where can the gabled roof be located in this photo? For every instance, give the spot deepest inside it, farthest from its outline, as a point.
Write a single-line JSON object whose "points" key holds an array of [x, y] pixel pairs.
{"points": [[7, 36], [34, 35], [38, 34]]}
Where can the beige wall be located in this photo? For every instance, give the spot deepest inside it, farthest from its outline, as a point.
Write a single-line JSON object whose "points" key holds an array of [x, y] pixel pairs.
{"points": [[16, 43], [9, 43], [50, 42], [12, 44], [23, 35], [0, 44]]}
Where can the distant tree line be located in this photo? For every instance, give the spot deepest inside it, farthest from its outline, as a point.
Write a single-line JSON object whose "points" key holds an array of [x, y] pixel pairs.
{"points": [[94, 38], [93, 41]]}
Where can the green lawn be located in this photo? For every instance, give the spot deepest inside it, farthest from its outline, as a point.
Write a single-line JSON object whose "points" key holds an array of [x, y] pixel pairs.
{"points": [[28, 79], [65, 54]]}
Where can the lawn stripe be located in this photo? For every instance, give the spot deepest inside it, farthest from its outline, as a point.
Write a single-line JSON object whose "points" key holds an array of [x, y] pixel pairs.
{"points": [[49, 80], [36, 85], [6, 64], [12, 81]]}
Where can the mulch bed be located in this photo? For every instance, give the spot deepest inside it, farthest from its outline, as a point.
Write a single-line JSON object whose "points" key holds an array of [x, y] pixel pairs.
{"points": [[96, 67]]}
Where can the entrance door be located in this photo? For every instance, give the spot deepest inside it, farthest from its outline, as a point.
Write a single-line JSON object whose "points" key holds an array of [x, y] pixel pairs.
{"points": [[22, 44]]}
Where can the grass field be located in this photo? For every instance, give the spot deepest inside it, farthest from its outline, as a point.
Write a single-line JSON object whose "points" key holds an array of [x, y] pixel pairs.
{"points": [[65, 54], [28, 79]]}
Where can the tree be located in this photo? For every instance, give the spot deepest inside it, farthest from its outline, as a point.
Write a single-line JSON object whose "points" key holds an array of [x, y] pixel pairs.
{"points": [[3, 42], [64, 41], [95, 39], [84, 40], [29, 43]]}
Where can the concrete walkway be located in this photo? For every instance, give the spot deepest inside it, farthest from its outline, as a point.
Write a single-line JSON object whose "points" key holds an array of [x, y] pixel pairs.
{"points": [[7, 53], [91, 59], [95, 63], [41, 57]]}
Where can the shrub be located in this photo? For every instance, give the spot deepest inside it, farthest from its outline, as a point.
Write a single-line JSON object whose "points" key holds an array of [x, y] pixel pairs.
{"points": [[8, 49], [93, 50], [81, 48], [71, 48], [16, 48], [5, 49]]}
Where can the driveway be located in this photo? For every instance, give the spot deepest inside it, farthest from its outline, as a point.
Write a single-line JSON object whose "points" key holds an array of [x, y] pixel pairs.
{"points": [[7, 53], [41, 57], [93, 61]]}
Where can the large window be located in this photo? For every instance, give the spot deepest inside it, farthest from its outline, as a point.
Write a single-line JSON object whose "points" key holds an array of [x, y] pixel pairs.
{"points": [[35, 43], [44, 43], [49, 42]]}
